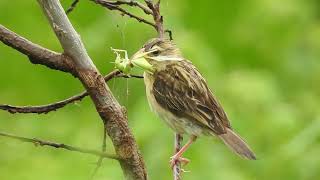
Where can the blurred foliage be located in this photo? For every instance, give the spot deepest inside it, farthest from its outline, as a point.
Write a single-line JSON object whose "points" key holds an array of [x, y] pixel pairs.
{"points": [[261, 58]]}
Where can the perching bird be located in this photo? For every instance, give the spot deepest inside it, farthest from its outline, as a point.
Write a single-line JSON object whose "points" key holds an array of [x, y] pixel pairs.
{"points": [[178, 93]]}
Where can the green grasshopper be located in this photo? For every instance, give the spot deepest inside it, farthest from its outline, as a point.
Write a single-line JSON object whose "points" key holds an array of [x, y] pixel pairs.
{"points": [[125, 64], [122, 64]]}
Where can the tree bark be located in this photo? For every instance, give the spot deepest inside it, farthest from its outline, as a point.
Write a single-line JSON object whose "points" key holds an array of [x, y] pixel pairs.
{"points": [[106, 105]]}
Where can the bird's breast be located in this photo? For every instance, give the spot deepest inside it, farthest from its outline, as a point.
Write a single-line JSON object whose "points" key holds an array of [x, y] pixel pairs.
{"points": [[148, 81]]}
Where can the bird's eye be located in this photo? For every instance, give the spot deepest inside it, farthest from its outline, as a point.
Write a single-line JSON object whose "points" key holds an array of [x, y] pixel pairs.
{"points": [[156, 52]]}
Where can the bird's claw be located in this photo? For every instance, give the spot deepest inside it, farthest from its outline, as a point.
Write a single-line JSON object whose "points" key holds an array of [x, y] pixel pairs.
{"points": [[174, 160]]}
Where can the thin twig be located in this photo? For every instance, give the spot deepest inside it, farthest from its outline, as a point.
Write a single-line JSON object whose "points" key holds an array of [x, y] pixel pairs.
{"points": [[44, 109], [72, 6], [60, 145], [177, 165], [144, 8], [111, 6], [104, 145], [151, 9]]}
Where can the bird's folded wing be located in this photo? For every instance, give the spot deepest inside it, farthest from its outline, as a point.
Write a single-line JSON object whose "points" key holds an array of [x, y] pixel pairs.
{"points": [[182, 90]]}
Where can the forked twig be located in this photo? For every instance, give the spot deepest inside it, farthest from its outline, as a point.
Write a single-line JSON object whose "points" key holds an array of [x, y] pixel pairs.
{"points": [[144, 8], [150, 9], [112, 6]]}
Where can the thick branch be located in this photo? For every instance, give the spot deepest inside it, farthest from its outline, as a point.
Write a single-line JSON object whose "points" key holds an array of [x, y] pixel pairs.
{"points": [[60, 145], [44, 109], [36, 53], [109, 109]]}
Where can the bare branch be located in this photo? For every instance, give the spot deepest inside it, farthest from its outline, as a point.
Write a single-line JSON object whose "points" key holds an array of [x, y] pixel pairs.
{"points": [[107, 106], [158, 19], [72, 6], [144, 8], [60, 145], [112, 6], [44, 109], [151, 9], [36, 53]]}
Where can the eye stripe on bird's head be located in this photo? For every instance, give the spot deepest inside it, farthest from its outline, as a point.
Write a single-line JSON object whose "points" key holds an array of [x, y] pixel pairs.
{"points": [[162, 49]]}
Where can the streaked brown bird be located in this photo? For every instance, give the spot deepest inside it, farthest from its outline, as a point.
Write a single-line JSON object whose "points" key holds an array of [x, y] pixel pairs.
{"points": [[178, 93]]}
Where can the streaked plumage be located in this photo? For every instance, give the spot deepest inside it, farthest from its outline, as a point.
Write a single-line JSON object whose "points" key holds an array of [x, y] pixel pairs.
{"points": [[181, 90], [178, 93]]}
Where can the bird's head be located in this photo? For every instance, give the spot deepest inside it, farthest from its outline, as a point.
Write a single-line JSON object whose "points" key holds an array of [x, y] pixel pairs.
{"points": [[155, 54]]}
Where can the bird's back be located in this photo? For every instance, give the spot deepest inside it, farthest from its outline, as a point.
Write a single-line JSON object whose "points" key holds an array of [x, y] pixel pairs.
{"points": [[181, 90]]}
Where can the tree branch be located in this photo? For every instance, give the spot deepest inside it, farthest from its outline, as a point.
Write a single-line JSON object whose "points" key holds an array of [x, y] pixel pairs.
{"points": [[158, 19], [151, 9], [60, 145], [144, 8], [111, 5], [35, 53], [108, 108], [44, 109]]}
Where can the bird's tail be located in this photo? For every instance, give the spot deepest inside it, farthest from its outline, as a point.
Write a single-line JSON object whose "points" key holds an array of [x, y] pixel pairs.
{"points": [[237, 144]]}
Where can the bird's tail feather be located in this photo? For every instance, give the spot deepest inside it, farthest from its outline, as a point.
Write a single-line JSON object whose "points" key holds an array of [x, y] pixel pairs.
{"points": [[237, 144]]}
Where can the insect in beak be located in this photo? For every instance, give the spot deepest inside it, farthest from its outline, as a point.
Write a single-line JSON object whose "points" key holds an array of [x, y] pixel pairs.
{"points": [[139, 60]]}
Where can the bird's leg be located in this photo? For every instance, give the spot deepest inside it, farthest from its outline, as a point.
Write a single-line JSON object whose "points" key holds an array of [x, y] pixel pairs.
{"points": [[177, 156]]}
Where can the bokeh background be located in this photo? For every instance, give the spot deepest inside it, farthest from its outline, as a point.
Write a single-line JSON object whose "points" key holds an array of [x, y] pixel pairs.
{"points": [[261, 58]]}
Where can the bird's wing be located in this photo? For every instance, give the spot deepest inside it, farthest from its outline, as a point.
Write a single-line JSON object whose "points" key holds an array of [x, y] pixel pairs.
{"points": [[182, 90]]}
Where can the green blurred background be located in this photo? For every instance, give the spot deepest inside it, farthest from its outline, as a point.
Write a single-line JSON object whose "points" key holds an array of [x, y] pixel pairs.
{"points": [[261, 58]]}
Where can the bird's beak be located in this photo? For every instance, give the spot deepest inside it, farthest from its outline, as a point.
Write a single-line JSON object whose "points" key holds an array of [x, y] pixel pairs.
{"points": [[139, 60]]}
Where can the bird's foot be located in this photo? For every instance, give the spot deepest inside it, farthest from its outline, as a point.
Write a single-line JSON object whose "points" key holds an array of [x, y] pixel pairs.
{"points": [[176, 159]]}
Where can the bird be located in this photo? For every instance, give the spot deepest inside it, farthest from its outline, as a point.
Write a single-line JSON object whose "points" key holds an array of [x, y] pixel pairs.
{"points": [[179, 95]]}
